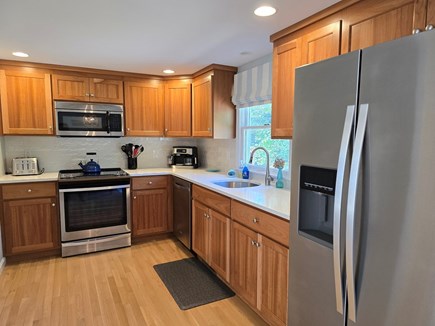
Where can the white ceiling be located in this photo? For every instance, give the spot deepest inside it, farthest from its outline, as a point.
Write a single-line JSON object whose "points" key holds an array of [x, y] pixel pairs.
{"points": [[145, 36]]}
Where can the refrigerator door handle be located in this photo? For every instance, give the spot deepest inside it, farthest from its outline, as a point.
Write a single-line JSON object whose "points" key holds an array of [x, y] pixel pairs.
{"points": [[337, 254], [351, 209]]}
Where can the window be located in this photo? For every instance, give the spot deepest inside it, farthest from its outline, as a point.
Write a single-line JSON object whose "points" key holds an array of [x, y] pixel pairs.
{"points": [[254, 131]]}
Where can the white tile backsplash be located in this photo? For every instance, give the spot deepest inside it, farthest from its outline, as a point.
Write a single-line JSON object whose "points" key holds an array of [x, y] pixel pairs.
{"points": [[56, 153], [217, 153]]}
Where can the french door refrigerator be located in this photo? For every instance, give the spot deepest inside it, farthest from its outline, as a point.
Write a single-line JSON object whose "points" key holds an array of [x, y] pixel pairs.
{"points": [[362, 231]]}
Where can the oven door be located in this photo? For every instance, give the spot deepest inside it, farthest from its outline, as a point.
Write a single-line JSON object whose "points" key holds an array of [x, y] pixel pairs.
{"points": [[94, 212]]}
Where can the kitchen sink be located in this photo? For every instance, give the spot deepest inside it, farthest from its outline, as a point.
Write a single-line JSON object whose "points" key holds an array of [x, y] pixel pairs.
{"points": [[236, 184]]}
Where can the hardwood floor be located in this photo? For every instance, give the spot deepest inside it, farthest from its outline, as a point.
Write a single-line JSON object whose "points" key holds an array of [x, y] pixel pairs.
{"points": [[118, 287]]}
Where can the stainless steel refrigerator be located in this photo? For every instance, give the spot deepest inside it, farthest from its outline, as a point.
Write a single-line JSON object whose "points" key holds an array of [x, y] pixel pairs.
{"points": [[362, 231]]}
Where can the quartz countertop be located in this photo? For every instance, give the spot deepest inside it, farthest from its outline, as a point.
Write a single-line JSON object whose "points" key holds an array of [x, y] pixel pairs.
{"points": [[267, 198]]}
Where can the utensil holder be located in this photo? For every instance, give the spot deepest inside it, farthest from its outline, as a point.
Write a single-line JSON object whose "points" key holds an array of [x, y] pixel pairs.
{"points": [[132, 163]]}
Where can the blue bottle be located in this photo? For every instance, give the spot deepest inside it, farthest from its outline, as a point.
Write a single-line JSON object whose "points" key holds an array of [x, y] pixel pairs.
{"points": [[245, 172]]}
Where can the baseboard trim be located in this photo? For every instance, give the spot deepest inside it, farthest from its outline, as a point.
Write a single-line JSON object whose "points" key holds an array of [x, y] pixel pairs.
{"points": [[2, 264]]}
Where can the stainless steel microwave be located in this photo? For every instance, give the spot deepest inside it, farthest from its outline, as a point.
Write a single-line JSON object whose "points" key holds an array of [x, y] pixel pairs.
{"points": [[78, 119]]}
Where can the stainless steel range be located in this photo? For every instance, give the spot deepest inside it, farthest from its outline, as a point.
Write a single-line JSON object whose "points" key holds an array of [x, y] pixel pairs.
{"points": [[94, 210]]}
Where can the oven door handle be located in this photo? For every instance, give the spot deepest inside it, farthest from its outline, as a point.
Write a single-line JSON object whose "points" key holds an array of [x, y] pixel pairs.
{"points": [[94, 188]]}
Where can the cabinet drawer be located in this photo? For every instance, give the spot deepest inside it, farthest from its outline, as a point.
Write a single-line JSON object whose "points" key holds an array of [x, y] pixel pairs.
{"points": [[149, 182], [213, 200], [29, 190], [261, 222]]}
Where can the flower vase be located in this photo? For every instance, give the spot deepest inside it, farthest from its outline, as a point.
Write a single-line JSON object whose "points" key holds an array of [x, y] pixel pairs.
{"points": [[279, 181]]}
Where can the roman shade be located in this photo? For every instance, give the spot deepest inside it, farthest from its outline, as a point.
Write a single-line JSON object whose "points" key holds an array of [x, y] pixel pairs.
{"points": [[253, 86]]}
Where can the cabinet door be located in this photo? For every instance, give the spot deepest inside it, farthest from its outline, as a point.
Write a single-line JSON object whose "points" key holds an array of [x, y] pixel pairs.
{"points": [[200, 229], [274, 281], [321, 44], [430, 14], [202, 108], [144, 114], [178, 110], [106, 90], [219, 254], [26, 103], [371, 22], [73, 88], [31, 225], [244, 256], [150, 212], [286, 58]]}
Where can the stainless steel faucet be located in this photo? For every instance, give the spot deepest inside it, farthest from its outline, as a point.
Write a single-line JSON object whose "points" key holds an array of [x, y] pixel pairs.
{"points": [[268, 177]]}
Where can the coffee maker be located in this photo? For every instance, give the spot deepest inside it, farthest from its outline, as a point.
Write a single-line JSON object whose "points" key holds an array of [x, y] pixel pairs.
{"points": [[184, 156]]}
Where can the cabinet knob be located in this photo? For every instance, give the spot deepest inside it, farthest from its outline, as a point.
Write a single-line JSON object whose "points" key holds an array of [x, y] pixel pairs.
{"points": [[53, 204], [92, 95], [416, 30], [255, 220], [29, 190], [128, 129], [50, 127], [257, 244], [150, 182], [134, 197], [86, 94], [208, 129], [253, 242], [429, 27]]}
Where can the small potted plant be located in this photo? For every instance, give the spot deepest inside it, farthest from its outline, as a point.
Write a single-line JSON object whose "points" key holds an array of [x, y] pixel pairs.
{"points": [[279, 164]]}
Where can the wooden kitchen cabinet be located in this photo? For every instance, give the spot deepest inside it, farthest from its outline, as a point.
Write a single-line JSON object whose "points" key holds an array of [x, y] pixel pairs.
{"points": [[178, 108], [259, 261], [87, 89], [144, 108], [211, 229], [213, 113], [150, 206], [26, 102], [372, 22], [318, 44], [30, 218]]}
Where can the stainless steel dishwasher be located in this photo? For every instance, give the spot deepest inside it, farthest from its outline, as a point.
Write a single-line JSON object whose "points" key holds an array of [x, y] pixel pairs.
{"points": [[182, 210]]}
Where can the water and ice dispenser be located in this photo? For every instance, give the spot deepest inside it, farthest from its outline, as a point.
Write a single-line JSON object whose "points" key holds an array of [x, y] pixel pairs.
{"points": [[316, 204]]}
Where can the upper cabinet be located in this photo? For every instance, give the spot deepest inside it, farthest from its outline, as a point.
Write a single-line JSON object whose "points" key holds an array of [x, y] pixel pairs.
{"points": [[346, 26], [26, 102], [178, 112], [318, 44], [213, 113], [87, 89], [372, 22], [144, 108]]}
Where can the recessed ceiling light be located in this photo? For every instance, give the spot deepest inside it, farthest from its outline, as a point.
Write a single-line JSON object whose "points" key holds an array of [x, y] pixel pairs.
{"points": [[264, 11], [168, 71], [20, 54]]}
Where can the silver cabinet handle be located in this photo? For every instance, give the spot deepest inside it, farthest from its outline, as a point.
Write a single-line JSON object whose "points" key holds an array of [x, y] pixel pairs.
{"points": [[29, 190], [257, 244], [429, 27], [53, 204], [255, 220], [150, 182], [205, 215], [253, 242], [351, 208], [416, 31], [337, 254], [128, 129], [134, 197]]}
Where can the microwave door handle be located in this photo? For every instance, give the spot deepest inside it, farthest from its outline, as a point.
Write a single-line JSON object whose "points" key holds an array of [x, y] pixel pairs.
{"points": [[108, 122]]}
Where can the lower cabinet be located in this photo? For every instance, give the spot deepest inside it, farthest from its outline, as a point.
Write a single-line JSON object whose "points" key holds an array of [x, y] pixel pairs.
{"points": [[259, 261], [150, 206], [30, 218], [211, 230]]}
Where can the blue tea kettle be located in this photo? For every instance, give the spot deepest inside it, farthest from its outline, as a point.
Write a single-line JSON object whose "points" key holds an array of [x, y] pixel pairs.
{"points": [[91, 167]]}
